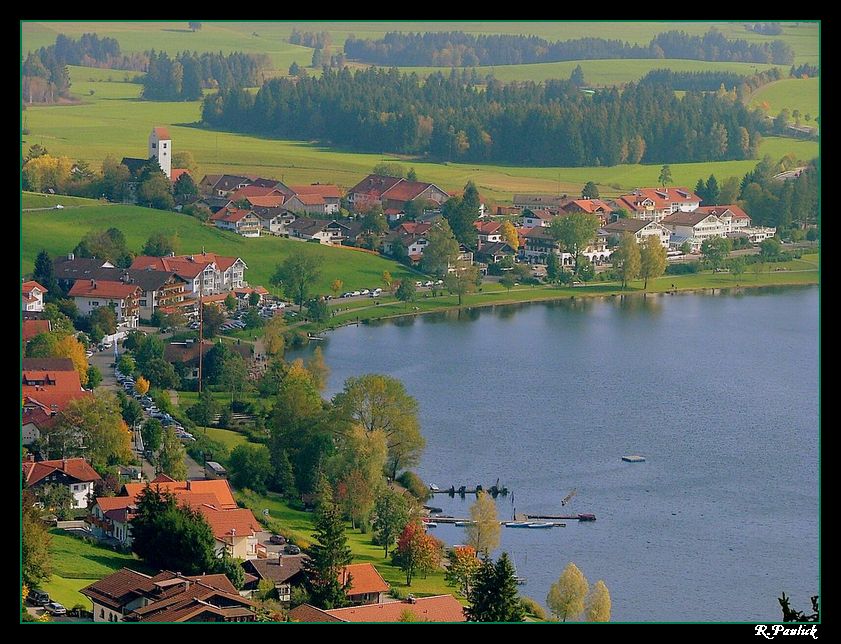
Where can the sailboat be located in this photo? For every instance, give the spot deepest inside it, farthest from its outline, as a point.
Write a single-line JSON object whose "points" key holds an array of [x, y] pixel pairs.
{"points": [[569, 496], [520, 580]]}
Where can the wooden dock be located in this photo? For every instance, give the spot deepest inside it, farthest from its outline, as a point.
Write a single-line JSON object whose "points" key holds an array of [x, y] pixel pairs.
{"points": [[563, 517], [493, 490]]}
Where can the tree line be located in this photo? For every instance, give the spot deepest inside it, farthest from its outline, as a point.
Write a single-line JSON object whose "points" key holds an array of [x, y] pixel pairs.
{"points": [[459, 49], [449, 118], [183, 77], [710, 81]]}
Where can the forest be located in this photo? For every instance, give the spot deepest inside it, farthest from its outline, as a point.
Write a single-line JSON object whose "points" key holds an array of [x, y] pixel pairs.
{"points": [[449, 118], [459, 49]]}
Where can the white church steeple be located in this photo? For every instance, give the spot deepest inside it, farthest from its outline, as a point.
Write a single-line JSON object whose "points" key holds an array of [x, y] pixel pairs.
{"points": [[160, 147]]}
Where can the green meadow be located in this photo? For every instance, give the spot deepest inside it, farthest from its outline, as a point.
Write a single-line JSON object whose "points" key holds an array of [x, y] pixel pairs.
{"points": [[113, 121], [60, 231], [272, 37], [793, 93]]}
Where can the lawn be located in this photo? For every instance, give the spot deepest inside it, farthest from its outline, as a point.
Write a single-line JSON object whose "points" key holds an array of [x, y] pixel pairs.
{"points": [[77, 563], [298, 525], [226, 437], [792, 93], [60, 231], [36, 200]]}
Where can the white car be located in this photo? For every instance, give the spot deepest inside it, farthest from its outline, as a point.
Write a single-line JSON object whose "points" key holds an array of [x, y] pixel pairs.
{"points": [[58, 206], [364, 291]]}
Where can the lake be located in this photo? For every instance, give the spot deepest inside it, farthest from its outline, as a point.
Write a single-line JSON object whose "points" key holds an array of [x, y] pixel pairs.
{"points": [[719, 393]]}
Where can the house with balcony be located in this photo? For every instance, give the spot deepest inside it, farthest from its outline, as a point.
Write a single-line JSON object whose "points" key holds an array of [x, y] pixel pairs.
{"points": [[239, 220], [32, 296], [76, 474], [653, 204], [274, 220], [331, 197], [91, 294], [538, 218], [639, 228], [694, 227], [205, 273]]}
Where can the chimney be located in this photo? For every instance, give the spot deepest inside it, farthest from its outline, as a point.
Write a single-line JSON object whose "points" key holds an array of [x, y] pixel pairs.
{"points": [[71, 256]]}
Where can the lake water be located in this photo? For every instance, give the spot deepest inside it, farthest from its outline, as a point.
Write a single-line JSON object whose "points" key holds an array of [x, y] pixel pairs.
{"points": [[719, 393]]}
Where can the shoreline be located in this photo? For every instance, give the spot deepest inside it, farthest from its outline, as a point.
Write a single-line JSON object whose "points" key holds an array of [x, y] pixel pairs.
{"points": [[704, 290]]}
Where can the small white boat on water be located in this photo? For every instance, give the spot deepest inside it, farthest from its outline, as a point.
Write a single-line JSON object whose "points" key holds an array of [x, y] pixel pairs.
{"points": [[540, 525], [430, 524], [518, 524], [463, 523], [434, 487], [634, 458]]}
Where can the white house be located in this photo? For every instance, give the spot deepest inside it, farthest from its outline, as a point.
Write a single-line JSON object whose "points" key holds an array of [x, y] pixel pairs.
{"points": [[639, 228], [160, 147], [32, 296], [532, 218], [89, 295], [241, 221], [205, 273], [75, 473], [274, 220], [653, 204], [695, 226]]}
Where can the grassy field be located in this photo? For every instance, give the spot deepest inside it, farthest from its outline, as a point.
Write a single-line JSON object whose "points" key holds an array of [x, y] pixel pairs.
{"points": [[298, 525], [792, 93], [60, 231], [227, 437], [37, 200], [272, 37], [77, 564], [119, 126]]}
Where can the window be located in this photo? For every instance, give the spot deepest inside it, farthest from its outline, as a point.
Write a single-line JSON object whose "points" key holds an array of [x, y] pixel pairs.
{"points": [[101, 613], [164, 145], [154, 145]]}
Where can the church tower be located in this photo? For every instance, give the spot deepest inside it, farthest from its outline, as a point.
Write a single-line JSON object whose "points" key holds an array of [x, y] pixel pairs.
{"points": [[160, 147]]}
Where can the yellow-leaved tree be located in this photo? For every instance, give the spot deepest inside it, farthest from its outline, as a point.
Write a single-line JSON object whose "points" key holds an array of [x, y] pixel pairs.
{"points": [[598, 603], [70, 347], [509, 234], [566, 596], [483, 531], [142, 385], [652, 259]]}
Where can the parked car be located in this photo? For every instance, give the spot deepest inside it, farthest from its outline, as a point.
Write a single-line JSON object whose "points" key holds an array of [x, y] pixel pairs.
{"points": [[364, 291], [429, 283], [38, 597], [291, 549], [277, 539], [54, 608]]}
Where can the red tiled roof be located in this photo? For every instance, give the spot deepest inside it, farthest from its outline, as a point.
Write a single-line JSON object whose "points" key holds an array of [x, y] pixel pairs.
{"points": [[540, 214], [405, 190], [219, 488], [163, 133], [364, 578], [102, 288], [311, 614], [310, 199], [31, 328], [592, 205], [176, 174], [374, 185], [414, 228], [51, 388], [38, 416], [326, 190], [441, 608], [735, 211], [31, 284], [660, 197], [184, 265], [231, 215], [224, 523], [272, 201], [77, 468], [487, 227]]}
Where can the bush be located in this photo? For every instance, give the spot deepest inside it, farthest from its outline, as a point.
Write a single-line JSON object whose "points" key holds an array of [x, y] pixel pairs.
{"points": [[415, 485], [685, 268], [398, 593], [531, 607]]}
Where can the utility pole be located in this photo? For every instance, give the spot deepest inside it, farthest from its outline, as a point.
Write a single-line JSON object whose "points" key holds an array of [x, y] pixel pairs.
{"points": [[201, 334]]}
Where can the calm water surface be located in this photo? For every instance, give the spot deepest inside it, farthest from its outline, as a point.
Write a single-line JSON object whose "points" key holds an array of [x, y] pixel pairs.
{"points": [[719, 393]]}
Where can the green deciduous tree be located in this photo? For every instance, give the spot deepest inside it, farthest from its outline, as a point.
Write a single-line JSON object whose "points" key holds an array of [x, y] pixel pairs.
{"points": [[250, 467], [35, 559], [574, 233], [391, 513], [483, 531], [92, 425], [590, 191], [462, 281], [94, 377], [380, 403], [152, 433], [296, 275], [389, 169], [566, 596], [665, 175], [406, 291], [626, 258], [652, 259], [441, 251], [161, 244], [172, 456], [715, 251], [170, 537]]}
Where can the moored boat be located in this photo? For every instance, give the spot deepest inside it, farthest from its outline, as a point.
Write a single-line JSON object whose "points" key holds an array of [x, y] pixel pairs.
{"points": [[540, 525], [634, 458]]}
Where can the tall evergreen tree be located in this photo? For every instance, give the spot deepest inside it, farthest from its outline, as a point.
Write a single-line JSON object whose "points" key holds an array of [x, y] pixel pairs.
{"points": [[327, 557], [494, 596], [45, 275]]}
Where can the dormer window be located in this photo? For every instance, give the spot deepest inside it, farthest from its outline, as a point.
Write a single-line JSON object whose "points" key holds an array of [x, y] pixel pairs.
{"points": [[154, 145]]}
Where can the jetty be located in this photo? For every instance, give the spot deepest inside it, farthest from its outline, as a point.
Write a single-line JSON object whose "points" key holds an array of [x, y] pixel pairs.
{"points": [[494, 490], [562, 517]]}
